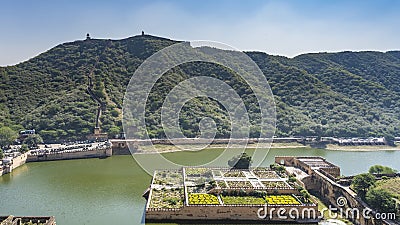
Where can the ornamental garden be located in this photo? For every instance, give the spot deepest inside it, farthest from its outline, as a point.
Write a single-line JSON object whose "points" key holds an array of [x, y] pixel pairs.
{"points": [[192, 186]]}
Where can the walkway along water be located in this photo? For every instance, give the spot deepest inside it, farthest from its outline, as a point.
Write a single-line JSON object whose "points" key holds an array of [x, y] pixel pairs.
{"points": [[82, 151]]}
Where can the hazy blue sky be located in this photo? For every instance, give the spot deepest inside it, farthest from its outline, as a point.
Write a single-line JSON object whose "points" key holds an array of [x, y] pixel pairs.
{"points": [[277, 27]]}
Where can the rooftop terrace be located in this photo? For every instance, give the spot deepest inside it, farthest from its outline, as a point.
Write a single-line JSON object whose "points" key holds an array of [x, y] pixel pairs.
{"points": [[315, 162], [195, 186]]}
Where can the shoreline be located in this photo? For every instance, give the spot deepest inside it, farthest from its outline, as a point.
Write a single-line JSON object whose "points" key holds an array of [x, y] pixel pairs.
{"points": [[362, 148], [171, 148], [251, 146]]}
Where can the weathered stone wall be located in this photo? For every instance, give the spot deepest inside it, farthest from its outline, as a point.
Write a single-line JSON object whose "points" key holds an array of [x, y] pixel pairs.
{"points": [[16, 162], [121, 151], [292, 161], [238, 212], [98, 153], [23, 158], [19, 160], [322, 182], [329, 192], [285, 160], [122, 147], [332, 171]]}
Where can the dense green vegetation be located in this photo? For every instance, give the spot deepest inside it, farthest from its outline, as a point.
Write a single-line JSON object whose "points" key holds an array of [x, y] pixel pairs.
{"points": [[379, 169], [381, 194], [391, 185], [336, 94], [381, 200], [7, 136], [242, 161], [325, 94], [362, 183], [245, 200], [33, 140]]}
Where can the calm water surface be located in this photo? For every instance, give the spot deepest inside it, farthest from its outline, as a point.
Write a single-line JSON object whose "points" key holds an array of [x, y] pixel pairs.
{"points": [[108, 191]]}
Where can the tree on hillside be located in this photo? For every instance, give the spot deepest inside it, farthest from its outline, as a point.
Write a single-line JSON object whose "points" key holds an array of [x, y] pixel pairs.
{"points": [[7, 136], [241, 161], [33, 140], [390, 140], [1, 153], [381, 200], [379, 169], [24, 148], [362, 183]]}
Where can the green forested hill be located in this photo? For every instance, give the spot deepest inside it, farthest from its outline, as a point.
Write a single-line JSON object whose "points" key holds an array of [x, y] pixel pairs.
{"points": [[333, 94]]}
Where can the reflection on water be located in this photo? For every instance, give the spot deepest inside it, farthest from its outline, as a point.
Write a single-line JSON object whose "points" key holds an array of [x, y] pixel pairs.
{"points": [[15, 173]]}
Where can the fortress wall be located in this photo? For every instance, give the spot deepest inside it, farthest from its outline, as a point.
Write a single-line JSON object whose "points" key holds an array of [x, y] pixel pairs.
{"points": [[237, 212], [292, 161], [331, 172], [121, 151], [16, 162], [24, 158], [19, 161], [121, 147], [329, 192], [285, 160], [322, 182], [99, 153]]}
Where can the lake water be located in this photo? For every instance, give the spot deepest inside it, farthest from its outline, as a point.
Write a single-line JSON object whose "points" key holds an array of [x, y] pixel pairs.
{"points": [[109, 191]]}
